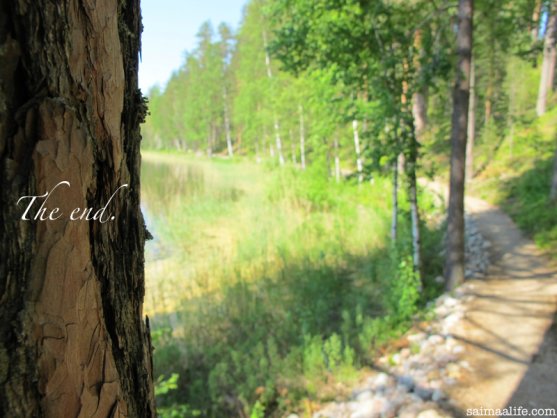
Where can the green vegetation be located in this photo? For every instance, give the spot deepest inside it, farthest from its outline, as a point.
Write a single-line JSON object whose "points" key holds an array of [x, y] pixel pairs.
{"points": [[291, 239], [519, 176], [286, 281]]}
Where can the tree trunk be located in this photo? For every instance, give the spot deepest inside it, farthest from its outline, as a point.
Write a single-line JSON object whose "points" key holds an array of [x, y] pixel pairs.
{"points": [[359, 164], [278, 142], [471, 129], [419, 109], [411, 160], [548, 65], [553, 191], [419, 98], [535, 25], [72, 338], [394, 221], [276, 121], [227, 124], [302, 139], [293, 148], [454, 270], [337, 159]]}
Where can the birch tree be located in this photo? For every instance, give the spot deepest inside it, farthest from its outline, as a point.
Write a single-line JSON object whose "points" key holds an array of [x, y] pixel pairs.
{"points": [[225, 40]]}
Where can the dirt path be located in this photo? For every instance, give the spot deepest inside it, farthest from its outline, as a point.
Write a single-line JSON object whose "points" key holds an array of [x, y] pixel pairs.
{"points": [[509, 327]]}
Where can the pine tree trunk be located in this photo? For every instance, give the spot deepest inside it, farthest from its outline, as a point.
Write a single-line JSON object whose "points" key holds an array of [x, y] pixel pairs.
{"points": [[72, 338], [454, 270], [471, 129], [536, 20], [359, 164], [419, 98], [548, 65], [302, 139]]}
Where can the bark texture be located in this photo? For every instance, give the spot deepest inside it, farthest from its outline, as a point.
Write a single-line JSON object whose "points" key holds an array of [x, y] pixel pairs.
{"points": [[549, 56], [454, 270], [72, 339]]}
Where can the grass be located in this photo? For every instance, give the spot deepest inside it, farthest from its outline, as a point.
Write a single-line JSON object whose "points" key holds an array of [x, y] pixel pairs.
{"points": [[266, 286], [518, 179]]}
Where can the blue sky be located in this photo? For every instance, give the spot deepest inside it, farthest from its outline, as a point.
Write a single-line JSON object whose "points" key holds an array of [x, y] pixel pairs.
{"points": [[169, 30]]}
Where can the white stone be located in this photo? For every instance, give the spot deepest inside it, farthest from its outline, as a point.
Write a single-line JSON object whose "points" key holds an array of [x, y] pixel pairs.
{"points": [[458, 349], [430, 413]]}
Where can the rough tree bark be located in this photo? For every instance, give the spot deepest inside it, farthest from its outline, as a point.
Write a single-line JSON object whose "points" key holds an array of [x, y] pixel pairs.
{"points": [[72, 339], [454, 268], [549, 56]]}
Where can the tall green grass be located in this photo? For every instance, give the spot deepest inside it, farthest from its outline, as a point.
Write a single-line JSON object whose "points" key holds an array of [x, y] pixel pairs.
{"points": [[518, 178], [268, 284]]}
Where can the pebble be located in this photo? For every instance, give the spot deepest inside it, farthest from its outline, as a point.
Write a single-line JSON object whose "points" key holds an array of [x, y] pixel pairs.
{"points": [[430, 413], [417, 378]]}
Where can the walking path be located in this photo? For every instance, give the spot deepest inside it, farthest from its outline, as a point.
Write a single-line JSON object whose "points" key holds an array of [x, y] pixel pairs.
{"points": [[509, 328], [492, 346]]}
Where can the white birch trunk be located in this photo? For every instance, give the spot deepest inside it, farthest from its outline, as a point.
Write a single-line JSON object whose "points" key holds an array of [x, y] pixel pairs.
{"points": [[359, 163], [278, 142], [553, 191], [227, 124], [337, 160], [394, 220], [302, 139], [276, 121], [210, 142], [416, 241], [292, 148]]}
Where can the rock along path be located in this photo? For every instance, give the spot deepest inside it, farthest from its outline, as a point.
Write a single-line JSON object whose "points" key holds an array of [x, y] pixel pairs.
{"points": [[492, 345]]}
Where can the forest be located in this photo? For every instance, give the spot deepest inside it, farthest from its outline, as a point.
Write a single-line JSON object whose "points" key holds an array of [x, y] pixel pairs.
{"points": [[287, 171]]}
